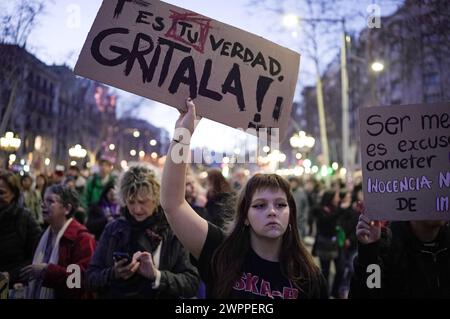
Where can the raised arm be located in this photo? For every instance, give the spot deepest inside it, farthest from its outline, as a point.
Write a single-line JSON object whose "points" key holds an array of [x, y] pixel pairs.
{"points": [[188, 226]]}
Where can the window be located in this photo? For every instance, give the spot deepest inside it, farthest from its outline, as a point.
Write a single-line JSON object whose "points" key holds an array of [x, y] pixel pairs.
{"points": [[430, 98], [432, 79]]}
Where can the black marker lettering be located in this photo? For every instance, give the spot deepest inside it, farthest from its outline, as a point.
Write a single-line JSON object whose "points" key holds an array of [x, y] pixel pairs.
{"points": [[274, 66], [237, 50], [259, 60], [151, 68], [139, 55], [215, 45], [278, 107], [187, 64], [95, 48], [225, 49], [203, 89], [248, 55], [172, 45], [159, 26], [234, 76], [142, 16]]}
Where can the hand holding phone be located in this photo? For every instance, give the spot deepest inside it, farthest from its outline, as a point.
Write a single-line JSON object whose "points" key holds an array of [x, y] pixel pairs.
{"points": [[118, 256]]}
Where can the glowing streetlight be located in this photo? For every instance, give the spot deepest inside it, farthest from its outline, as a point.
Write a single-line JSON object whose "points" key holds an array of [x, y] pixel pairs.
{"points": [[136, 133], [153, 142], [77, 151], [377, 66], [133, 152], [112, 147], [10, 143]]}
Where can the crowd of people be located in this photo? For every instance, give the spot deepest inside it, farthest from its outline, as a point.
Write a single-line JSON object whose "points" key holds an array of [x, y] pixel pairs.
{"points": [[142, 234]]}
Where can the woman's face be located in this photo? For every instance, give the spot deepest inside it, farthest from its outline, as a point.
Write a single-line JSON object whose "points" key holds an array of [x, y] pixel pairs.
{"points": [[336, 199], [268, 214], [6, 194], [111, 196], [26, 183], [190, 188], [141, 206], [53, 210], [40, 181]]}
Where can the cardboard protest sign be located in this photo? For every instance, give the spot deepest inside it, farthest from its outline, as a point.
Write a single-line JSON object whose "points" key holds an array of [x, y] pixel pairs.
{"points": [[168, 53], [406, 161]]}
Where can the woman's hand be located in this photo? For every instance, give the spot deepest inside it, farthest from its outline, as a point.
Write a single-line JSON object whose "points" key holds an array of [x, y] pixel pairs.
{"points": [[33, 271], [147, 267], [368, 231], [187, 120], [125, 271]]}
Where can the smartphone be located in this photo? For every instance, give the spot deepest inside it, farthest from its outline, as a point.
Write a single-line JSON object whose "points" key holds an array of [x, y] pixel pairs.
{"points": [[117, 256]]}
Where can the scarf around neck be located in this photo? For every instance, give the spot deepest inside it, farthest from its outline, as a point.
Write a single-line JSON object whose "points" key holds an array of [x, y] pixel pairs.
{"points": [[152, 229]]}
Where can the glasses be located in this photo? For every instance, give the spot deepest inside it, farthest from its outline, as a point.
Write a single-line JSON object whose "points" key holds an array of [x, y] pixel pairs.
{"points": [[49, 201]]}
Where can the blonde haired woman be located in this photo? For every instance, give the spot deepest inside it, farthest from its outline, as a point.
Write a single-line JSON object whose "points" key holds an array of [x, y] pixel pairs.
{"points": [[153, 262]]}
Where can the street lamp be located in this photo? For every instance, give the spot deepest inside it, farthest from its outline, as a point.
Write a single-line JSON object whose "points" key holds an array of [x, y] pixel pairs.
{"points": [[77, 151], [302, 143], [377, 66], [301, 140], [9, 144]]}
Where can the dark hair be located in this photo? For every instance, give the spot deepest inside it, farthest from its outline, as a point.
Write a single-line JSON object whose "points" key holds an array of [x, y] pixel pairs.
{"points": [[355, 192], [68, 196], [295, 261], [75, 168], [24, 177], [218, 183], [108, 186], [327, 198], [13, 182], [45, 184]]}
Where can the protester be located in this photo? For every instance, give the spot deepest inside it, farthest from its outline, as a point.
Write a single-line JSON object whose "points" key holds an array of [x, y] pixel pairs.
{"points": [[301, 201], [326, 245], [19, 231], [413, 259], [262, 245], [80, 182], [195, 194], [107, 210], [96, 183], [221, 200], [154, 264], [41, 184], [65, 242], [32, 198]]}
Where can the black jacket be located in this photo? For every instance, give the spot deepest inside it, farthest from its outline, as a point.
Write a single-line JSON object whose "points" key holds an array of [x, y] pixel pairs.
{"points": [[179, 278], [408, 268], [19, 235]]}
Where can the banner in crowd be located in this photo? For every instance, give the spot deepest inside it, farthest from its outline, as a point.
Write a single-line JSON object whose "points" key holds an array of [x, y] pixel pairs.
{"points": [[406, 161], [167, 53]]}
